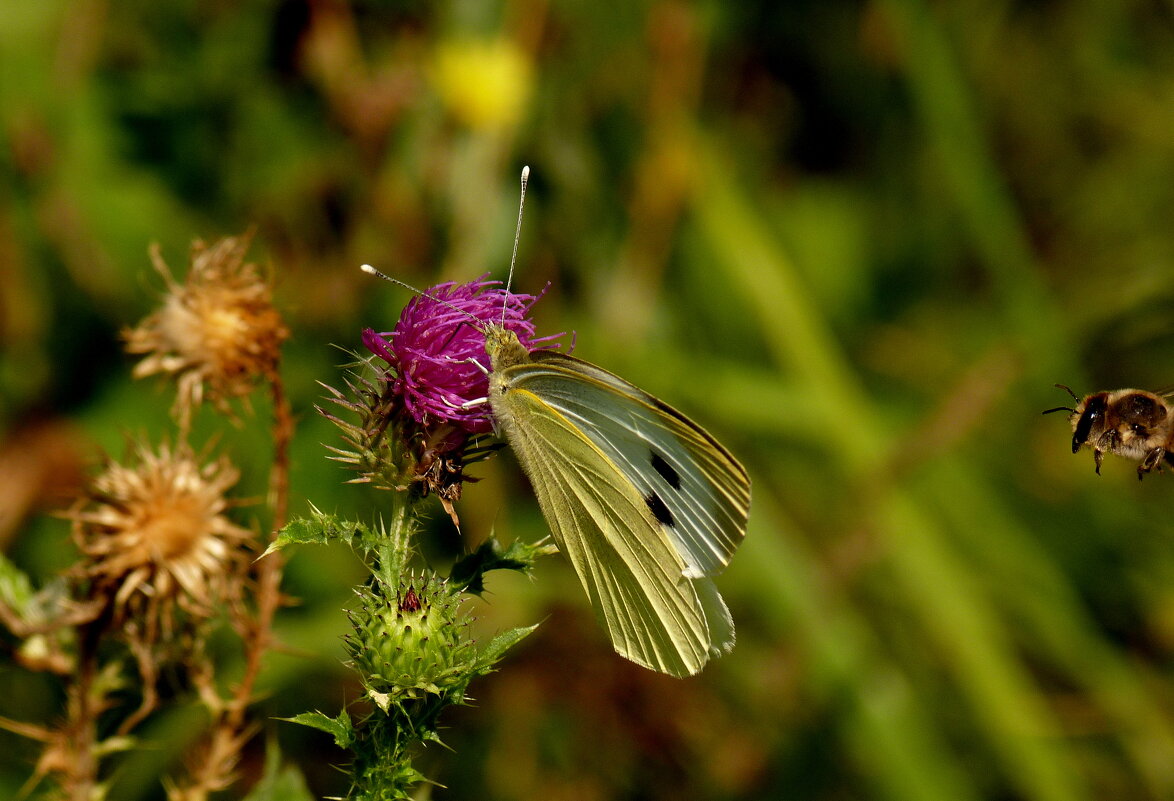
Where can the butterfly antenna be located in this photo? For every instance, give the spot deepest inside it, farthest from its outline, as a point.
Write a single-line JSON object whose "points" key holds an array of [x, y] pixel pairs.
{"points": [[509, 281], [367, 268]]}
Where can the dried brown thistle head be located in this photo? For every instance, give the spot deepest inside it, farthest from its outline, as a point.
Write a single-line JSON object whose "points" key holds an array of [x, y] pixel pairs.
{"points": [[158, 547], [216, 333]]}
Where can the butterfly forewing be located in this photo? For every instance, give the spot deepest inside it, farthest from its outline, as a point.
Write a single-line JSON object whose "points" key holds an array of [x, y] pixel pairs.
{"points": [[695, 488], [631, 570]]}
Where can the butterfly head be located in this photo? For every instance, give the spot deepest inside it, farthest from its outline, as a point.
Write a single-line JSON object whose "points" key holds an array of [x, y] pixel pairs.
{"points": [[504, 348]]}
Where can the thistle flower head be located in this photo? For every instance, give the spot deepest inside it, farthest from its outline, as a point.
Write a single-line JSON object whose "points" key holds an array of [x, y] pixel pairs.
{"points": [[420, 417], [216, 333], [436, 353], [412, 641], [157, 541]]}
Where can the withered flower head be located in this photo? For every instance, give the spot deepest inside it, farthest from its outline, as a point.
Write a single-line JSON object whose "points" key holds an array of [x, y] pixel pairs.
{"points": [[217, 333], [156, 540]]}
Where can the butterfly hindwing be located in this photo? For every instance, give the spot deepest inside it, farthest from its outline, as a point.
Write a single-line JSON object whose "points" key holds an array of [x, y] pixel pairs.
{"points": [[629, 566]]}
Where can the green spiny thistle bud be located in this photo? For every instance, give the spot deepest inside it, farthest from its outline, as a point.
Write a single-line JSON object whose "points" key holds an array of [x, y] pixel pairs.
{"points": [[412, 641]]}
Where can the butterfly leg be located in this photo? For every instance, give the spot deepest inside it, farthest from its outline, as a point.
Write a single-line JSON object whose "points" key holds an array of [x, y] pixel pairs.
{"points": [[478, 365], [466, 405]]}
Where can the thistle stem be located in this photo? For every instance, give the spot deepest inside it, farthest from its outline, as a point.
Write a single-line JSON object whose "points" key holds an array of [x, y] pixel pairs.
{"points": [[392, 553], [80, 778], [230, 727]]}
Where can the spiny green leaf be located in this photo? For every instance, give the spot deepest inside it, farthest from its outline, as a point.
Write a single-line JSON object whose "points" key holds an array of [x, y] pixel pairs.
{"points": [[340, 728], [497, 647], [320, 529], [469, 572]]}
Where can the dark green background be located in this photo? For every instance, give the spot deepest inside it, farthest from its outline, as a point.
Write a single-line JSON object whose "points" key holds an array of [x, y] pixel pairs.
{"points": [[859, 241]]}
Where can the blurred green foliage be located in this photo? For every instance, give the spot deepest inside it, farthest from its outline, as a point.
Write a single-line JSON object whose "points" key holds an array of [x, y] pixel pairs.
{"points": [[857, 240]]}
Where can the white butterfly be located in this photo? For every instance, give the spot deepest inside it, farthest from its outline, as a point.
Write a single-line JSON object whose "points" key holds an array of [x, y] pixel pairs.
{"points": [[644, 503]]}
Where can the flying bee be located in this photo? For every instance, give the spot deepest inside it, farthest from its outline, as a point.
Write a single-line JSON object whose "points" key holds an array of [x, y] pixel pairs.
{"points": [[1132, 423]]}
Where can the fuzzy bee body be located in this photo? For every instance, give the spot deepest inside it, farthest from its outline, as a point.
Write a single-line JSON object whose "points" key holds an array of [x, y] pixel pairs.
{"points": [[1132, 423]]}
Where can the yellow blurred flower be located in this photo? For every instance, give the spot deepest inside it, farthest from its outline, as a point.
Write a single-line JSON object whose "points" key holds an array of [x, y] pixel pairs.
{"points": [[485, 84]]}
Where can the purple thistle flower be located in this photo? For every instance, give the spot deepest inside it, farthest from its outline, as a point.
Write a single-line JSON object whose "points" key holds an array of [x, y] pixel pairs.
{"points": [[436, 354]]}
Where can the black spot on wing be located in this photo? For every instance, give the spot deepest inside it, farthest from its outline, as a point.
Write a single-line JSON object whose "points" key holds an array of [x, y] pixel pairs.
{"points": [[666, 471], [659, 510]]}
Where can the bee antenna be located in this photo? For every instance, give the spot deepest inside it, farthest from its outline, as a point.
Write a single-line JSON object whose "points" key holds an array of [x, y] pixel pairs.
{"points": [[1067, 389], [517, 236], [1061, 409], [367, 268]]}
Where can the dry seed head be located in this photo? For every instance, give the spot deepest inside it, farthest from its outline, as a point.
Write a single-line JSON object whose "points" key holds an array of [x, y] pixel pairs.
{"points": [[156, 539], [217, 333]]}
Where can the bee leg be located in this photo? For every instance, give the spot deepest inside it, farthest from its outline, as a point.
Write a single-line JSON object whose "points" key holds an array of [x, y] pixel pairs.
{"points": [[1098, 456], [1152, 460]]}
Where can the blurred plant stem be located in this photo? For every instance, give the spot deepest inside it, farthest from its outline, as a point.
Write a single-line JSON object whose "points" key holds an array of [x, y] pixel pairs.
{"points": [[230, 727]]}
